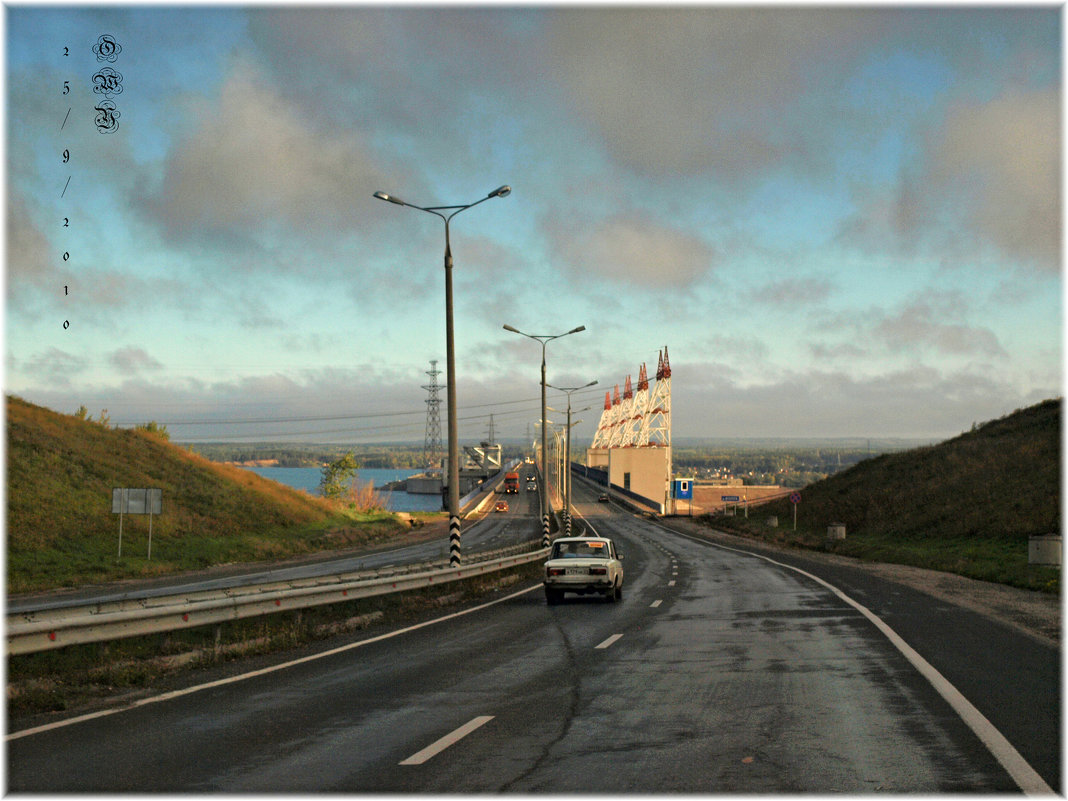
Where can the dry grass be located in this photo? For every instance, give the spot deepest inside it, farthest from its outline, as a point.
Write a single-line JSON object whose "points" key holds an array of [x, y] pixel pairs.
{"points": [[61, 532]]}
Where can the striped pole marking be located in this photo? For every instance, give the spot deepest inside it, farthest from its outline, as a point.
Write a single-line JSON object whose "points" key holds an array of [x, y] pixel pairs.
{"points": [[545, 530], [454, 542]]}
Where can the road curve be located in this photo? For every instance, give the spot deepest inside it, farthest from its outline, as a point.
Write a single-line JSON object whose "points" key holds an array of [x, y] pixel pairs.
{"points": [[717, 673]]}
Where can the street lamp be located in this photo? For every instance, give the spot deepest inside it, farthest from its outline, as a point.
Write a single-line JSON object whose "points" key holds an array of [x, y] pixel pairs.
{"points": [[450, 362], [567, 447], [543, 339]]}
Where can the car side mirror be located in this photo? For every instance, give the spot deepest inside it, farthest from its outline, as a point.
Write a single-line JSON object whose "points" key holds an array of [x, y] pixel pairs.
{"points": [[619, 556]]}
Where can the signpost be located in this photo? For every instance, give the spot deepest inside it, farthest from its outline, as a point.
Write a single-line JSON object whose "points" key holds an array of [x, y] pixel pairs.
{"points": [[127, 500], [795, 499]]}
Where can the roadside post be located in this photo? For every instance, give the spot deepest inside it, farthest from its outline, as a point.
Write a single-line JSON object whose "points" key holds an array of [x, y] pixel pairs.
{"points": [[142, 501], [795, 499]]}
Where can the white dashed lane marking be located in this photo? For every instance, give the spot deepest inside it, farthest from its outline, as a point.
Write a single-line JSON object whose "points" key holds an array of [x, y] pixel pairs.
{"points": [[452, 738], [610, 641]]}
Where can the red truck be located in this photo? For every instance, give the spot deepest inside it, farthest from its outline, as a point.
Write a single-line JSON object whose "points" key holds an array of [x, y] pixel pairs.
{"points": [[511, 482]]}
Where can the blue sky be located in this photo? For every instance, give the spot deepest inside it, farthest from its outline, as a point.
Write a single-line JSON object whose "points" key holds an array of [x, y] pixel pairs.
{"points": [[840, 221]]}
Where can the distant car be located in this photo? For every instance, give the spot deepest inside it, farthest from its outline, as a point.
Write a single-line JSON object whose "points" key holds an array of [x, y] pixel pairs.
{"points": [[532, 487], [603, 497], [583, 565], [502, 506]]}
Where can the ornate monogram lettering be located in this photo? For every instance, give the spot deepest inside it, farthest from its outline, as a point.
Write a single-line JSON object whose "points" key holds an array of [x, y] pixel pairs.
{"points": [[107, 118], [107, 82], [106, 48]]}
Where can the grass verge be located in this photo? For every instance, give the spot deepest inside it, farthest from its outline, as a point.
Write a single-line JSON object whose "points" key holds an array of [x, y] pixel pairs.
{"points": [[999, 560]]}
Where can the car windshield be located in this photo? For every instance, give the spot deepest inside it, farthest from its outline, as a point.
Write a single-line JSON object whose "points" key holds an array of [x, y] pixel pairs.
{"points": [[580, 550]]}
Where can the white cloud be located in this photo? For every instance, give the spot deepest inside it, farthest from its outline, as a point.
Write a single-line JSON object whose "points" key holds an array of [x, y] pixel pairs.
{"points": [[712, 90], [999, 163], [629, 249], [254, 166]]}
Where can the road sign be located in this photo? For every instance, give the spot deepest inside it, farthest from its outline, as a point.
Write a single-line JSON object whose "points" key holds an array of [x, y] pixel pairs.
{"points": [[795, 497], [729, 498]]}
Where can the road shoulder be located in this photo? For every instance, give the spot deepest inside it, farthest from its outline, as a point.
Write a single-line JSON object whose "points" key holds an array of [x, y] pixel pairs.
{"points": [[1033, 613]]}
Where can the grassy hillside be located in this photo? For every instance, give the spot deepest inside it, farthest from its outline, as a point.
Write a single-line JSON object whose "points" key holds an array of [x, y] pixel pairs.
{"points": [[61, 531], [967, 505]]}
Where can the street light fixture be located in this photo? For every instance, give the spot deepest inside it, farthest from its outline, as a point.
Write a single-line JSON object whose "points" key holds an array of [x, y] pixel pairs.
{"points": [[544, 339], [567, 448], [450, 362]]}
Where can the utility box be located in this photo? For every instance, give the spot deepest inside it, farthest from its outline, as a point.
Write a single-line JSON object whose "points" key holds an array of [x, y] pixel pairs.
{"points": [[682, 488], [772, 522], [1044, 550], [836, 531]]}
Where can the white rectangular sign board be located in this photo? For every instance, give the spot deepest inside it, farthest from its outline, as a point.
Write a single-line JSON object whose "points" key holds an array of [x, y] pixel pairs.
{"points": [[131, 501]]}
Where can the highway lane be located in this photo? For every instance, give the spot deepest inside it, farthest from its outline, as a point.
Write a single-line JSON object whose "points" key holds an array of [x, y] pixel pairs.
{"points": [[718, 672], [497, 530]]}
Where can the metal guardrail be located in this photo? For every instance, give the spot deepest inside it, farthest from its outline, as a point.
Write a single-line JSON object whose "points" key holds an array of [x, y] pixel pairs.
{"points": [[30, 632]]}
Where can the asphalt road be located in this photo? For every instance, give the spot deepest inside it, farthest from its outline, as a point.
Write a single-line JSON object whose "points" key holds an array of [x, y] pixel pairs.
{"points": [[719, 672], [497, 530]]}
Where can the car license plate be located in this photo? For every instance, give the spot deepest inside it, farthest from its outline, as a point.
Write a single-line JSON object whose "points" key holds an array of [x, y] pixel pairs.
{"points": [[575, 571]]}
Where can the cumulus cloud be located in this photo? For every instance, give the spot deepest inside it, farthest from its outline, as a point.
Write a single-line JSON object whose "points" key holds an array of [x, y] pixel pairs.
{"points": [[917, 402], [52, 367], [28, 260], [921, 326], [253, 164], [634, 250], [986, 175], [131, 360], [794, 291], [999, 162], [706, 89]]}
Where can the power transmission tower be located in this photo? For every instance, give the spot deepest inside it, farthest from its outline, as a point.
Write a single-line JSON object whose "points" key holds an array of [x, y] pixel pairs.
{"points": [[432, 450], [490, 437]]}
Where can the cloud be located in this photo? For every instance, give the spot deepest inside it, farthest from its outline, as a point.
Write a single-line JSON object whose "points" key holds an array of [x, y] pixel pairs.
{"points": [[28, 260], [701, 89], [917, 402], [131, 360], [793, 292], [921, 326], [632, 250], [253, 166], [999, 163], [53, 367], [985, 175]]}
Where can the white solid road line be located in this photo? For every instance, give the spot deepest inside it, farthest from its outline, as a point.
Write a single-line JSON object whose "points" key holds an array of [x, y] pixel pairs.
{"points": [[282, 666], [610, 641], [655, 604], [452, 738], [1026, 777]]}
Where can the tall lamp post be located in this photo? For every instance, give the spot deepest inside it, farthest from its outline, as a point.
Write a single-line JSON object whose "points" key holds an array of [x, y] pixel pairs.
{"points": [[567, 448], [450, 362], [544, 339]]}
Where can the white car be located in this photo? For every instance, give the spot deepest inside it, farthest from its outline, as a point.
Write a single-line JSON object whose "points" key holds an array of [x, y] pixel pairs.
{"points": [[583, 565]]}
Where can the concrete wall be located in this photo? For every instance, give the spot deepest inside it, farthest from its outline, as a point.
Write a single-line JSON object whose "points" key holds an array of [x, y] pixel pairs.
{"points": [[649, 469], [708, 497]]}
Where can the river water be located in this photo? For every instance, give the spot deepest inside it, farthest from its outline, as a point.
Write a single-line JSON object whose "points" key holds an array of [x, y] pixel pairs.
{"points": [[307, 479]]}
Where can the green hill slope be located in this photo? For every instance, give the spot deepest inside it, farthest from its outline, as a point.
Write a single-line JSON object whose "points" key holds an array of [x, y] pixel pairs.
{"points": [[60, 529], [967, 505]]}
